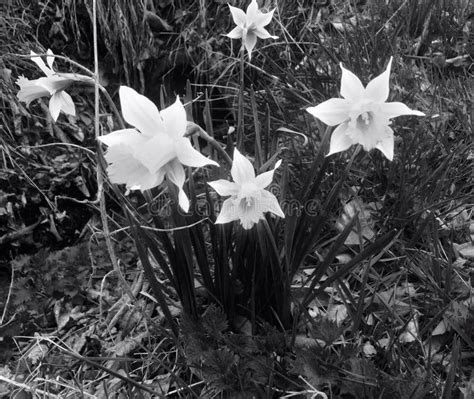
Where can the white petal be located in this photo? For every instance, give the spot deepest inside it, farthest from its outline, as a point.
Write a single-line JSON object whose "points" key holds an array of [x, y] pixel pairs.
{"points": [[394, 109], [252, 11], [249, 40], [156, 152], [332, 112], [229, 212], [224, 187], [262, 33], [188, 156], [148, 180], [270, 204], [238, 16], [128, 137], [125, 169], [378, 88], [263, 18], [50, 59], [174, 119], [39, 61], [386, 146], [61, 101], [242, 170], [54, 109], [140, 112], [64, 101], [54, 83], [351, 86], [368, 135], [30, 90], [249, 215], [175, 173], [264, 179], [235, 33], [340, 141]]}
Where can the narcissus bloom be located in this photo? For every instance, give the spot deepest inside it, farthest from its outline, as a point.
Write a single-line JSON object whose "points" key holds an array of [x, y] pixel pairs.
{"points": [[363, 115], [248, 198], [52, 85], [250, 25], [142, 157]]}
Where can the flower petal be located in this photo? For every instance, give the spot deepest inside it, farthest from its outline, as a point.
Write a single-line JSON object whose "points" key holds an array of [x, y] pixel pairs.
{"points": [[54, 108], [124, 168], [249, 215], [377, 89], [351, 86], [332, 112], [386, 146], [175, 173], [235, 33], [54, 83], [242, 170], [369, 134], [252, 11], [30, 90], [224, 187], [174, 119], [62, 101], [148, 180], [156, 152], [263, 18], [128, 137], [262, 33], [50, 59], [269, 203], [238, 16], [264, 179], [140, 112], [188, 156], [39, 61], [229, 212], [340, 141], [249, 40], [394, 109]]}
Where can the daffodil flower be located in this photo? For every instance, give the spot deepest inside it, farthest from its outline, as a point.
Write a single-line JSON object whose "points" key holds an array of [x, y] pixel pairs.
{"points": [[250, 25], [363, 115], [142, 157], [248, 198], [52, 85]]}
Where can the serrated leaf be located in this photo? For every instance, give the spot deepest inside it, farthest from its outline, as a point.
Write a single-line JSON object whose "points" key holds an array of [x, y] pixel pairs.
{"points": [[214, 320]]}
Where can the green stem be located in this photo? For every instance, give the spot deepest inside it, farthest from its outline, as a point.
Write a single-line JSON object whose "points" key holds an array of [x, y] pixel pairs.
{"points": [[240, 115], [192, 128]]}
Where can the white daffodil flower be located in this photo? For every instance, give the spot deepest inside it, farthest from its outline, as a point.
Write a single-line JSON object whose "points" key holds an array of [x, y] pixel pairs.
{"points": [[142, 157], [52, 85], [363, 115], [248, 198], [250, 25]]}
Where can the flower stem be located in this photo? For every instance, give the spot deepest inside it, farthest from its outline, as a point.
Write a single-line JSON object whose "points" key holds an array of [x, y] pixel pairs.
{"points": [[193, 128], [240, 111]]}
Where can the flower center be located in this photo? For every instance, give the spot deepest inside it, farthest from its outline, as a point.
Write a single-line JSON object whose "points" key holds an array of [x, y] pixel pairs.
{"points": [[365, 118], [247, 202], [248, 195]]}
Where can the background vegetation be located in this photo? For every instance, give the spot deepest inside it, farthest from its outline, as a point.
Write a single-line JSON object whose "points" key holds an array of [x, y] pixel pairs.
{"points": [[398, 323]]}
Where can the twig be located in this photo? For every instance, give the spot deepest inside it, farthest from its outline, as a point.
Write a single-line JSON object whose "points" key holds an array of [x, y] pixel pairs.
{"points": [[100, 179], [7, 302], [28, 388], [19, 233]]}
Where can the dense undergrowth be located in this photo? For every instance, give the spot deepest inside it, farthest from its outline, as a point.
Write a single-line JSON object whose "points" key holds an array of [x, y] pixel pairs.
{"points": [[390, 313]]}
